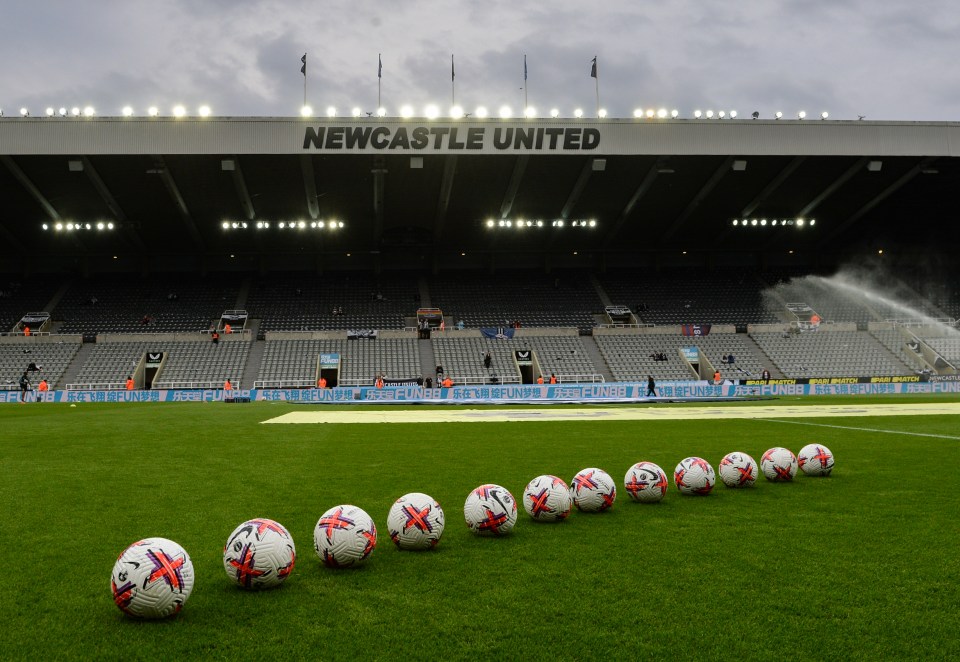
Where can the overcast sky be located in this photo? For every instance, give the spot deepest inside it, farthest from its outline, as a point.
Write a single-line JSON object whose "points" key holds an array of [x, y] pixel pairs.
{"points": [[884, 59]]}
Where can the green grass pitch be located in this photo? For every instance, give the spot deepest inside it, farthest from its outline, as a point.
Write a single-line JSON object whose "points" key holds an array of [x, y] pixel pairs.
{"points": [[860, 565]]}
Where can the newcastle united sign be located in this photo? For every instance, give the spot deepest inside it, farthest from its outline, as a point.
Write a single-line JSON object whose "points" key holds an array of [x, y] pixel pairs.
{"points": [[416, 138]]}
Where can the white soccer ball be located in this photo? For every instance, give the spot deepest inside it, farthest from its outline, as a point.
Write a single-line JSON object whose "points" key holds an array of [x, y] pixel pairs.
{"points": [[645, 482], [738, 470], [344, 535], [259, 554], [152, 578], [694, 475], [593, 490], [815, 460], [415, 521], [779, 464], [490, 510], [547, 499]]}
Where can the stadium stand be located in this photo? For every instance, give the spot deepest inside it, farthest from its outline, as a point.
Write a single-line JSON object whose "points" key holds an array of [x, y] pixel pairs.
{"points": [[19, 296], [187, 364], [305, 302], [893, 340], [569, 299], [828, 354], [629, 356], [164, 304], [360, 360], [53, 354], [682, 297]]}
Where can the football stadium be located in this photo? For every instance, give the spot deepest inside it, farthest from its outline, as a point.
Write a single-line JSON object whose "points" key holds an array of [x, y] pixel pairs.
{"points": [[202, 317]]}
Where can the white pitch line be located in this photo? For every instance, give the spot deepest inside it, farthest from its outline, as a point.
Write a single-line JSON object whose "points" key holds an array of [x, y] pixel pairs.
{"points": [[848, 427]]}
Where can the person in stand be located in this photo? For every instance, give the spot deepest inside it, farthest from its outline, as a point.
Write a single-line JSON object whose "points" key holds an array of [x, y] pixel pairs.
{"points": [[378, 382], [215, 337], [24, 386], [130, 384], [540, 379], [447, 382], [553, 378], [26, 331], [487, 360], [43, 386], [428, 382], [227, 329], [439, 373], [227, 385], [730, 359], [322, 382], [725, 359], [717, 378], [651, 386], [765, 374]]}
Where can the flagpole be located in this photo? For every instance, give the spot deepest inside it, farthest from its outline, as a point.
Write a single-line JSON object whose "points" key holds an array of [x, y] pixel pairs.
{"points": [[453, 84], [379, 78], [526, 103], [596, 79], [303, 70]]}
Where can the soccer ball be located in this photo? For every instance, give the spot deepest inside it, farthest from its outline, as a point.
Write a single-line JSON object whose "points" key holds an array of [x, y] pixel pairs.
{"points": [[593, 490], [815, 460], [738, 470], [694, 475], [779, 464], [259, 554], [152, 578], [490, 510], [645, 482], [415, 521], [547, 499], [345, 535]]}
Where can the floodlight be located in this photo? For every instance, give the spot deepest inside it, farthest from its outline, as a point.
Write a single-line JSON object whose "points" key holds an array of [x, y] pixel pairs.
{"points": [[501, 223], [204, 111], [674, 113], [650, 113], [302, 225], [431, 112], [662, 113], [100, 225], [578, 113], [49, 112], [481, 112], [331, 111], [456, 112], [109, 226], [225, 225], [306, 111], [153, 111], [697, 114], [46, 227], [381, 112], [813, 221], [356, 112], [539, 224], [638, 112], [25, 112], [763, 221], [320, 224], [778, 114], [62, 112], [406, 111], [753, 221], [339, 224], [721, 114], [709, 114], [554, 112], [592, 223], [281, 225], [733, 114], [800, 222], [602, 113], [489, 222], [58, 227], [530, 112], [505, 112], [75, 111], [801, 114], [88, 111], [179, 111], [127, 111], [736, 222], [773, 222], [824, 115]]}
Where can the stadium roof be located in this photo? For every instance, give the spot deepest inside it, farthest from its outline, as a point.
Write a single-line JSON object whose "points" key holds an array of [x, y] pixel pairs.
{"points": [[416, 192]]}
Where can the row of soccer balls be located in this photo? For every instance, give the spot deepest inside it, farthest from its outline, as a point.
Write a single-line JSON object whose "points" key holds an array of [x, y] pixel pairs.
{"points": [[153, 578]]}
